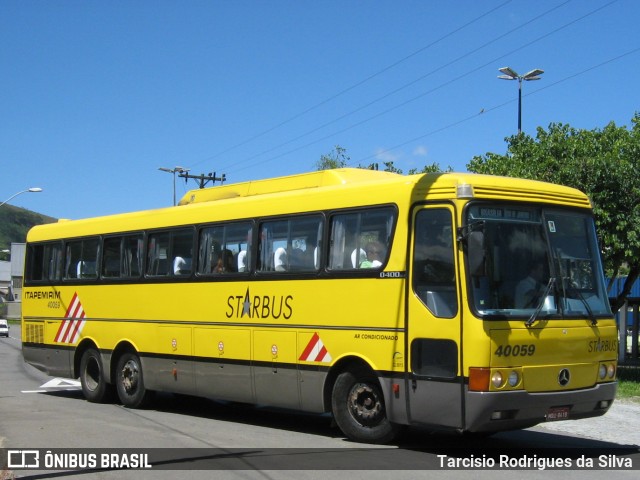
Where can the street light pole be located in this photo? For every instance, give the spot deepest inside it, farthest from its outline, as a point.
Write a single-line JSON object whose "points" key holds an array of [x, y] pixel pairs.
{"points": [[174, 170], [510, 74], [32, 190]]}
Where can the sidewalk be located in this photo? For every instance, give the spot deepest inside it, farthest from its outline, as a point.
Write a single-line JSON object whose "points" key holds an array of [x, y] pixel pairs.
{"points": [[621, 424]]}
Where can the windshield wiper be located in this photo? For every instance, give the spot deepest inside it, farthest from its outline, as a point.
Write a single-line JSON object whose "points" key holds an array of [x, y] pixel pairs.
{"points": [[543, 299], [573, 290], [567, 286]]}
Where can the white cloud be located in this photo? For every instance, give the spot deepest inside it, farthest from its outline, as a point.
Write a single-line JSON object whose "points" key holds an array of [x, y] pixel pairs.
{"points": [[386, 155], [420, 151]]}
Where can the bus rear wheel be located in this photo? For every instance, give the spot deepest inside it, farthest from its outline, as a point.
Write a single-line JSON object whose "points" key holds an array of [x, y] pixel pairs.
{"points": [[358, 408], [129, 381], [94, 386]]}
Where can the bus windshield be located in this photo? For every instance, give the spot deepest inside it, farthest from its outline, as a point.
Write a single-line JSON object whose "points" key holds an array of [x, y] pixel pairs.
{"points": [[527, 261]]}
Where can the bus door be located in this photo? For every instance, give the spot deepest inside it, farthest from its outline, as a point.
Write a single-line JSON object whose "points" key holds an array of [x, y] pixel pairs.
{"points": [[434, 319]]}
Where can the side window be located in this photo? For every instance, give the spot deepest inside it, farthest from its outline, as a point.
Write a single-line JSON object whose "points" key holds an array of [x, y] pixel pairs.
{"points": [[53, 262], [132, 256], [290, 245], [224, 249], [158, 262], [81, 259], [111, 257], [182, 251], [433, 269], [170, 253], [45, 262], [361, 239], [122, 256]]}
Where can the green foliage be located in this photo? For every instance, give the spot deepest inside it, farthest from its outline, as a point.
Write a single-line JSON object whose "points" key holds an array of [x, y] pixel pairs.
{"points": [[390, 167], [15, 223], [433, 168], [603, 163], [337, 158]]}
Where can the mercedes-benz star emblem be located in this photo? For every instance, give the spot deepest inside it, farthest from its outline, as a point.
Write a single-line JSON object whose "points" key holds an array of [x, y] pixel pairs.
{"points": [[563, 377]]}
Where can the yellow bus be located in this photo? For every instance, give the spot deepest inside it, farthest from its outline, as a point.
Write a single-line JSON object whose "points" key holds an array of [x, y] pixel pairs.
{"points": [[453, 301]]}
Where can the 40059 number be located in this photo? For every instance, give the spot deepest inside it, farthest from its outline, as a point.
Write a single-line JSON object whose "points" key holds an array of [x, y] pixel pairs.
{"points": [[515, 351]]}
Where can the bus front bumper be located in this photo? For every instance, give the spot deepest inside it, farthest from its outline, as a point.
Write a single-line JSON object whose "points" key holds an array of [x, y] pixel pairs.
{"points": [[496, 411]]}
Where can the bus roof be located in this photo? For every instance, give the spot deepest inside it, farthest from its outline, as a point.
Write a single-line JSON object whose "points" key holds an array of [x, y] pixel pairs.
{"points": [[485, 186], [323, 189], [322, 178]]}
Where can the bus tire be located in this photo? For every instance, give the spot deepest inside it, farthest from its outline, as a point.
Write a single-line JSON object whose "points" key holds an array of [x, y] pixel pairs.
{"points": [[94, 386], [358, 408], [130, 382]]}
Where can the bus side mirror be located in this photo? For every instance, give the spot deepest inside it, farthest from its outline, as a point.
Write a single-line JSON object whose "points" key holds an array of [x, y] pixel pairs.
{"points": [[476, 253]]}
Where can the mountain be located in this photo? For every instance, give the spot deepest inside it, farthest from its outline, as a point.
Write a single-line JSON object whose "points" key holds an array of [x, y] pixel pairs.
{"points": [[15, 222]]}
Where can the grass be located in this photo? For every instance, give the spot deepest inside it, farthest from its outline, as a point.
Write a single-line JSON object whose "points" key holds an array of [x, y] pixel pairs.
{"points": [[629, 383]]}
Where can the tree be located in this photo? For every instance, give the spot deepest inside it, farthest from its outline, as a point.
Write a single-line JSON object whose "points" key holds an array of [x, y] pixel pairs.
{"points": [[433, 168], [337, 158], [603, 163]]}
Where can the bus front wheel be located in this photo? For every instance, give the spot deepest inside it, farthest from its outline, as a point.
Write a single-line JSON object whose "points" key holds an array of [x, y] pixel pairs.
{"points": [[129, 381], [94, 386], [358, 408]]}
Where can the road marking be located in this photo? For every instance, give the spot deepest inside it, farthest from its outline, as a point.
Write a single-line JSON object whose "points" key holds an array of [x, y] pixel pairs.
{"points": [[56, 384]]}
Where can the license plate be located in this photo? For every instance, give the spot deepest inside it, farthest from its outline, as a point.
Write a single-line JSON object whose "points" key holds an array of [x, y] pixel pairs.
{"points": [[557, 413]]}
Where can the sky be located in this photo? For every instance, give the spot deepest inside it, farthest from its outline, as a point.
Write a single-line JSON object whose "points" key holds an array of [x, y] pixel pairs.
{"points": [[96, 96]]}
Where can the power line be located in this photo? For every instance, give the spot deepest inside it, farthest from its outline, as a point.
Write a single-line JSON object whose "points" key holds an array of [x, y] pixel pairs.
{"points": [[355, 85], [434, 89], [403, 87], [496, 107]]}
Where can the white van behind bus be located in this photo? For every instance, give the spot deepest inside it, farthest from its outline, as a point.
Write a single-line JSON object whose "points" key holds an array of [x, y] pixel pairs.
{"points": [[4, 328]]}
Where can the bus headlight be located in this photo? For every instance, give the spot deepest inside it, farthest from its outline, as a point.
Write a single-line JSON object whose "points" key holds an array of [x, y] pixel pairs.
{"points": [[602, 371], [497, 379], [606, 371]]}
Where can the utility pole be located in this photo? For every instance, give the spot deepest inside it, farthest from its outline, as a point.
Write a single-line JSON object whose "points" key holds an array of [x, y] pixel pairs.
{"points": [[203, 179]]}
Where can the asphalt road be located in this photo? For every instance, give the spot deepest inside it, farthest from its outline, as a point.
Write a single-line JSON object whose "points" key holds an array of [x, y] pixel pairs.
{"points": [[220, 440]]}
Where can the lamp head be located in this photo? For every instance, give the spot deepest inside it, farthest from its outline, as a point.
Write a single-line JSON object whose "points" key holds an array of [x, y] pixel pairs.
{"points": [[509, 73], [533, 74]]}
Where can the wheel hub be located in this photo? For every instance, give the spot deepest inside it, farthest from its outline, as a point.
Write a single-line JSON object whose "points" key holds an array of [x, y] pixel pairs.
{"points": [[365, 404], [130, 376]]}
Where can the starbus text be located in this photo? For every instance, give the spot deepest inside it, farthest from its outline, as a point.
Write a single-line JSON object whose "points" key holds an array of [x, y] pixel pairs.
{"points": [[258, 306]]}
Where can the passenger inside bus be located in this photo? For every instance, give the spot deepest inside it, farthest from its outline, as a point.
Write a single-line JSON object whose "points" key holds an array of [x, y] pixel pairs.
{"points": [[224, 262], [529, 289], [375, 253]]}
